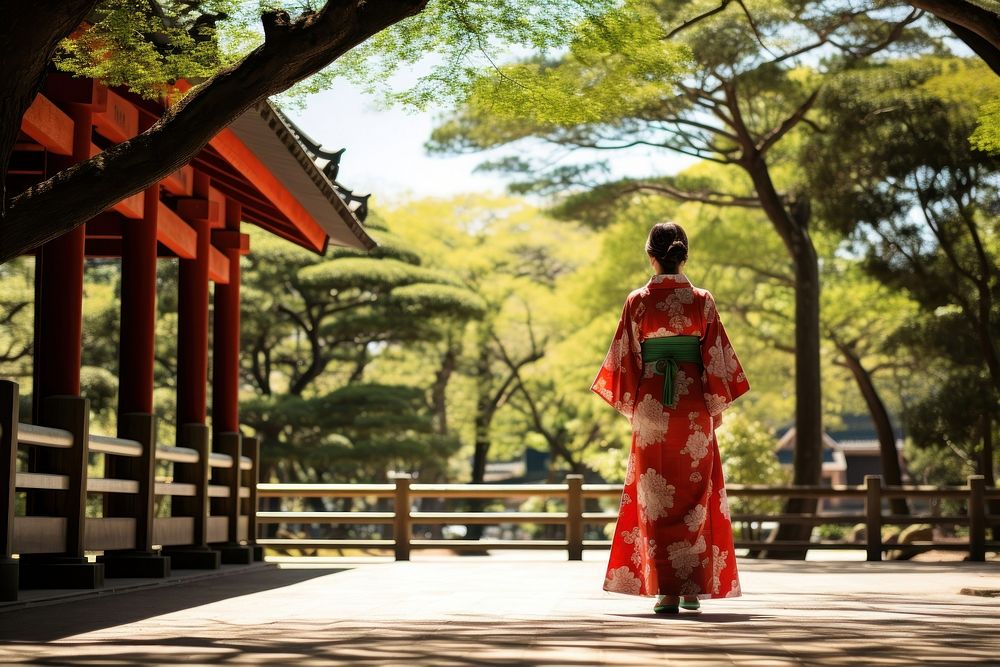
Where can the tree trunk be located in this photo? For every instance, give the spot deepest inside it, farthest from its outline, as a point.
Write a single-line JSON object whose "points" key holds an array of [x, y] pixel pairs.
{"points": [[29, 34], [484, 415], [975, 25], [808, 462], [984, 333], [439, 403], [791, 222], [989, 53], [883, 427], [292, 50]]}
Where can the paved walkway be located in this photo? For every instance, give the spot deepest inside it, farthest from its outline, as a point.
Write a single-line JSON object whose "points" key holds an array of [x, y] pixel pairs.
{"points": [[472, 611]]}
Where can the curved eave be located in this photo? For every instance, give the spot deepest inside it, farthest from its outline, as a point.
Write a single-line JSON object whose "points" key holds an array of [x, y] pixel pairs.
{"points": [[264, 132]]}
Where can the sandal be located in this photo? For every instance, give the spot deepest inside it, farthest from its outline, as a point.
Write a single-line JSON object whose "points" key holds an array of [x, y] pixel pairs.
{"points": [[690, 605], [662, 607]]}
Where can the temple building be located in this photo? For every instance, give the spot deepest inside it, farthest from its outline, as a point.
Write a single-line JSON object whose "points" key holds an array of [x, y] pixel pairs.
{"points": [[261, 171]]}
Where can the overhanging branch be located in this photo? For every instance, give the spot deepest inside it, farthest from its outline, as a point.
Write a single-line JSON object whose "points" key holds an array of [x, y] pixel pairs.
{"points": [[292, 50]]}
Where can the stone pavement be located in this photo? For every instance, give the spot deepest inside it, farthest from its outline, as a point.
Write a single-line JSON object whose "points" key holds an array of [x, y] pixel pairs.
{"points": [[489, 611]]}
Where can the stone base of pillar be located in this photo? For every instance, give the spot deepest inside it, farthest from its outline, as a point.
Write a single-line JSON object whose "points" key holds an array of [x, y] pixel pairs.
{"points": [[193, 558], [258, 553], [8, 580], [59, 572], [135, 564], [234, 554]]}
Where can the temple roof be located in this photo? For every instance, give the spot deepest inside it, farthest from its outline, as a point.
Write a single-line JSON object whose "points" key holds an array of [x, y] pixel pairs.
{"points": [[304, 169]]}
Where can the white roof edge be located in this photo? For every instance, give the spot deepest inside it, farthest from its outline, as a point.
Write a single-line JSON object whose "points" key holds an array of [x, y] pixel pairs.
{"points": [[270, 139]]}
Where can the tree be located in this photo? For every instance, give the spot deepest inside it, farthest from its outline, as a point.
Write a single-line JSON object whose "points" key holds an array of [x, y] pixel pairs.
{"points": [[746, 95], [975, 22], [304, 312], [291, 49], [920, 205], [514, 258]]}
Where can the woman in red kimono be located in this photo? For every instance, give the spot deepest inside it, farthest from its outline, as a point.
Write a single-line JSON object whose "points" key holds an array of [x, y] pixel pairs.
{"points": [[672, 371]]}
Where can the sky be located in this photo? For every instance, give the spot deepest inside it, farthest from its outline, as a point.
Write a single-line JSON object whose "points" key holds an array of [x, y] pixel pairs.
{"points": [[385, 152]]}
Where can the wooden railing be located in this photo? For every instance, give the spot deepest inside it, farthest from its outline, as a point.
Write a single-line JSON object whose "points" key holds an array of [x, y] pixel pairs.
{"points": [[574, 493], [212, 497]]}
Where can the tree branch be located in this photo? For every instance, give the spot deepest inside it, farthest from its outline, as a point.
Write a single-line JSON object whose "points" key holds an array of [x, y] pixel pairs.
{"points": [[697, 19], [292, 50], [775, 135], [705, 197], [967, 15]]}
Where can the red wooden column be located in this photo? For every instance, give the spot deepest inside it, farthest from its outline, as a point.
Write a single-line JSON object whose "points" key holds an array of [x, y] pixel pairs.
{"points": [[192, 323], [59, 295], [135, 396], [226, 334], [192, 388], [225, 382], [138, 309]]}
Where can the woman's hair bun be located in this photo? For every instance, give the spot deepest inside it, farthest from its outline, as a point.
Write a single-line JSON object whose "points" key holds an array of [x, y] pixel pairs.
{"points": [[668, 244]]}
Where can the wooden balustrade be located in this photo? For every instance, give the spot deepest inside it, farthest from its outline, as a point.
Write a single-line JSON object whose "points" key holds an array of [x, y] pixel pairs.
{"points": [[53, 537], [574, 493]]}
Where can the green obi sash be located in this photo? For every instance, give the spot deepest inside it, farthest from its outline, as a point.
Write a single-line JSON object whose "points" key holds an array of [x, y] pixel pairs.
{"points": [[665, 353]]}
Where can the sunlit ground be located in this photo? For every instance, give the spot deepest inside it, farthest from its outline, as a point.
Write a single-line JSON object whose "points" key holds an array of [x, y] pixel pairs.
{"points": [[519, 610]]}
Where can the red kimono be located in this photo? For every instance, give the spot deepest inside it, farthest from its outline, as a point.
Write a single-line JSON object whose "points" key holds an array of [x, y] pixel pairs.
{"points": [[673, 535]]}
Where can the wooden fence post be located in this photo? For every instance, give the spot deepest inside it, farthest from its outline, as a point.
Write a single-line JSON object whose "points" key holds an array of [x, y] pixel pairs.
{"points": [[251, 447], [69, 569], [977, 518], [140, 561], [873, 516], [574, 516], [401, 520], [9, 416], [233, 553], [197, 555]]}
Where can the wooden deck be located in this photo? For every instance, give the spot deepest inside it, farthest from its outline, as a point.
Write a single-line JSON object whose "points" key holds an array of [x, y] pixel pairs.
{"points": [[492, 611]]}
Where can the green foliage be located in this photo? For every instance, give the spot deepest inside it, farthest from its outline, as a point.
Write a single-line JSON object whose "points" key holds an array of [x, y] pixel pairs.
{"points": [[16, 318], [147, 46], [617, 63], [919, 204], [352, 273], [356, 433], [451, 43], [747, 450], [986, 136]]}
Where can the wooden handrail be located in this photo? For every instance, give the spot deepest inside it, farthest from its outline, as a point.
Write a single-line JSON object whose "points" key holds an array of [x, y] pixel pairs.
{"points": [[176, 454], [44, 436], [574, 492], [105, 444]]}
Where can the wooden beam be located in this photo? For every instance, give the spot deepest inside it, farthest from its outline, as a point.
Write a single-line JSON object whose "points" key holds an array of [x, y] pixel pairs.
{"points": [[249, 165], [66, 89], [175, 234], [119, 121], [218, 266], [211, 208], [102, 247], [232, 239], [105, 226], [49, 126], [180, 182], [130, 207]]}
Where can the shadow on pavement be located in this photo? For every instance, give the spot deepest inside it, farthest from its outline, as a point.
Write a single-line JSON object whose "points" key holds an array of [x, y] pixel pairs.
{"points": [[49, 622], [940, 640]]}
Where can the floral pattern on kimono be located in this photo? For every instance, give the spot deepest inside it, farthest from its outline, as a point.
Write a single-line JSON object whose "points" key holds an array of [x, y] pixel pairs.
{"points": [[673, 535]]}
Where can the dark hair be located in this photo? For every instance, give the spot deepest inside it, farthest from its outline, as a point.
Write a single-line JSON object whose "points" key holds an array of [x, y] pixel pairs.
{"points": [[667, 244]]}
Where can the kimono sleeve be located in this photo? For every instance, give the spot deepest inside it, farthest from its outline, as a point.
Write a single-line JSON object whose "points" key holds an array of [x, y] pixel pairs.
{"points": [[618, 379], [723, 379]]}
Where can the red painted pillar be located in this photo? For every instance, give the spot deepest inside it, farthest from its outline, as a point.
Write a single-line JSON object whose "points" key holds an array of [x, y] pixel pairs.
{"points": [[192, 331], [59, 296], [138, 309], [226, 335]]}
